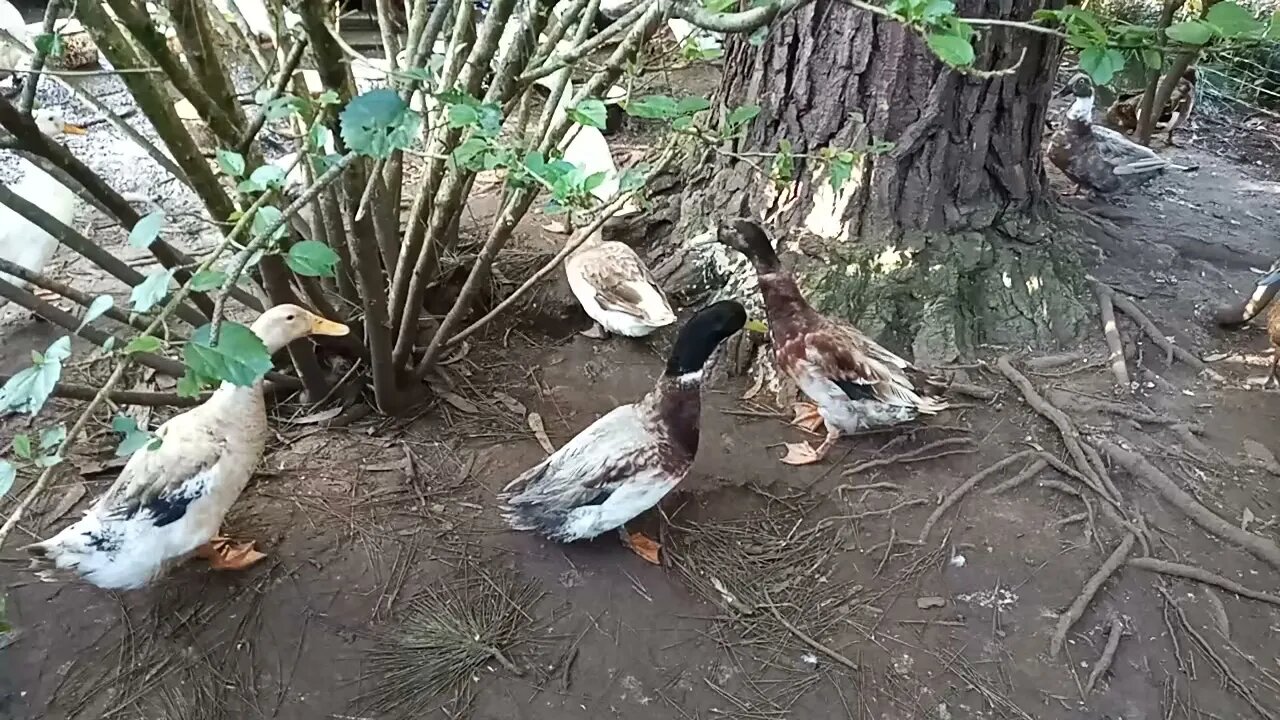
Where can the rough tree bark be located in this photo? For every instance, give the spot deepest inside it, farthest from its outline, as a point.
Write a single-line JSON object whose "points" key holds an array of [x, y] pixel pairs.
{"points": [[941, 244]]}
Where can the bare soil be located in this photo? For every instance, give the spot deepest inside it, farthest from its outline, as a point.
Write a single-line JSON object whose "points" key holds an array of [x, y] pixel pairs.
{"points": [[786, 592]]}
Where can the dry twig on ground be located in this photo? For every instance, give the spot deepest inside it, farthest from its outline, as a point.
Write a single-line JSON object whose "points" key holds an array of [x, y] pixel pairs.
{"points": [[1190, 572], [1108, 655]]}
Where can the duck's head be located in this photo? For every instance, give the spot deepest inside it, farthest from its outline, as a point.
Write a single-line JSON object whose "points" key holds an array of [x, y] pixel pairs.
{"points": [[53, 124], [701, 335], [283, 324], [1079, 86], [751, 240]]}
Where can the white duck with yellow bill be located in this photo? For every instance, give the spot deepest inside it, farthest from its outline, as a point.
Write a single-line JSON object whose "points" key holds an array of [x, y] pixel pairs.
{"points": [[170, 500]]}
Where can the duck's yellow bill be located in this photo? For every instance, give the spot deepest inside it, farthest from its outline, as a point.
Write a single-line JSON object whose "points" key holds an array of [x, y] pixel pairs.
{"points": [[70, 129], [320, 326]]}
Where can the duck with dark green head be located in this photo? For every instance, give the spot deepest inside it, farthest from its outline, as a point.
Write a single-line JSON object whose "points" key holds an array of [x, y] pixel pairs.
{"points": [[625, 462]]}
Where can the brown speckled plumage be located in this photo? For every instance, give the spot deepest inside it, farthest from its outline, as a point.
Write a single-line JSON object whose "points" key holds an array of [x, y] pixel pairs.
{"points": [[1123, 113]]}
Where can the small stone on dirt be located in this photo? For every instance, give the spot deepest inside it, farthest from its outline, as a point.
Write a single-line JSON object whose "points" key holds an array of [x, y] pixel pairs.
{"points": [[932, 601]]}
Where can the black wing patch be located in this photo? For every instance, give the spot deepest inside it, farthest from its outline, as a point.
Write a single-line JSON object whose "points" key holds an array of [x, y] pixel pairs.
{"points": [[856, 391]]}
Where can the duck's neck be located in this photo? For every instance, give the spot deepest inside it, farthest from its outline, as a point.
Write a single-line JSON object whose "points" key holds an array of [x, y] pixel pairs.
{"points": [[782, 296], [677, 402], [1081, 110], [230, 394]]}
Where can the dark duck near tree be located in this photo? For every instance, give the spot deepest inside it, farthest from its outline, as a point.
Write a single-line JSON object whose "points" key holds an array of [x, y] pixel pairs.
{"points": [[625, 462], [1098, 158], [854, 382]]}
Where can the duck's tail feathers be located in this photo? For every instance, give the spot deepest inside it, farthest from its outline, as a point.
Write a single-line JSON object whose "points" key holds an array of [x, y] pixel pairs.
{"points": [[930, 389]]}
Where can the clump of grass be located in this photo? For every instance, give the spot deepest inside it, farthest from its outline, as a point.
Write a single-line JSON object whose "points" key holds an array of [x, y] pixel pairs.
{"points": [[448, 634]]}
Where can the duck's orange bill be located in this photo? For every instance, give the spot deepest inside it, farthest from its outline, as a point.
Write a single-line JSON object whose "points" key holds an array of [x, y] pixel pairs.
{"points": [[321, 326], [70, 129]]}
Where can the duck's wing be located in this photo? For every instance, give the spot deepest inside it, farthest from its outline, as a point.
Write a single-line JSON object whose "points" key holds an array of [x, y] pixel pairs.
{"points": [[1122, 151], [623, 283], [162, 482], [866, 370], [591, 466]]}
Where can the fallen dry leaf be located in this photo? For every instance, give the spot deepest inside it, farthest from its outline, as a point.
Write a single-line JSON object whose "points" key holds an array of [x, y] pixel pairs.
{"points": [[318, 417], [459, 402], [932, 601], [511, 403], [540, 432]]}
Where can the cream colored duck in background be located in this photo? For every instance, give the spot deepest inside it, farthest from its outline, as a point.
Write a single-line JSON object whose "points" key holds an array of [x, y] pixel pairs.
{"points": [[169, 501], [21, 242], [616, 289]]}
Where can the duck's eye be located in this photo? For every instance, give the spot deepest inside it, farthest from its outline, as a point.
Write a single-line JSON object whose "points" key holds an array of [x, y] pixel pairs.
{"points": [[290, 317]]}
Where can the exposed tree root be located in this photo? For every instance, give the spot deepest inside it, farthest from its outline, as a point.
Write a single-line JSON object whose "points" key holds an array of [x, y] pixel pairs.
{"points": [[1172, 350], [1125, 411], [937, 449], [1108, 655], [1078, 606], [964, 488], [1190, 572], [1049, 362], [1211, 522], [1032, 469], [1070, 436], [1112, 334]]}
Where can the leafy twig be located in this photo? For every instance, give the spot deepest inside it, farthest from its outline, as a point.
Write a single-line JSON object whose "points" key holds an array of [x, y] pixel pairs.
{"points": [[77, 296]]}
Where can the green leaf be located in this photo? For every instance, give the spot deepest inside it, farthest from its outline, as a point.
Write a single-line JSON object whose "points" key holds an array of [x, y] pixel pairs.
{"points": [[263, 177], [135, 438], [376, 123], [463, 116], [146, 230], [1101, 64], [935, 10], [653, 107], [231, 163], [267, 217], [632, 178], [48, 461], [840, 168], [328, 97], [189, 386], [52, 437], [312, 258], [757, 326], [951, 49], [783, 170], [207, 280], [100, 305], [22, 446], [691, 105], [8, 473], [742, 115], [590, 112], [1191, 32], [719, 5], [283, 107], [1273, 28], [757, 38], [148, 293], [1232, 20], [239, 358], [318, 137], [29, 388], [466, 154], [50, 44], [1152, 58], [143, 344]]}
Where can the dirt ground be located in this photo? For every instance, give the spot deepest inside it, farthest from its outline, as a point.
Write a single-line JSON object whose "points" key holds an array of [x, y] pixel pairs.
{"points": [[392, 590]]}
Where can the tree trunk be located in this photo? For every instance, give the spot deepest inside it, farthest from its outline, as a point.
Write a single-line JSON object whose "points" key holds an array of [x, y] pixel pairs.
{"points": [[937, 245]]}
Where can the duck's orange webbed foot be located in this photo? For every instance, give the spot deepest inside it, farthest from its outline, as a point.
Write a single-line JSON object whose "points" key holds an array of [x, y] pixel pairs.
{"points": [[223, 553]]}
